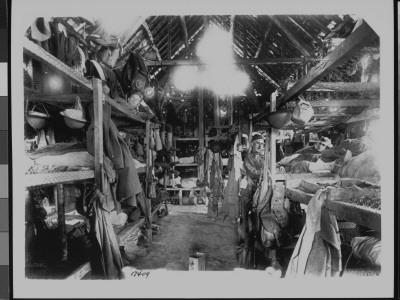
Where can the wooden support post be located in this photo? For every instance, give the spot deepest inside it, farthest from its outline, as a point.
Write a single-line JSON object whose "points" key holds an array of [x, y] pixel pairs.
{"points": [[230, 110], [61, 222], [165, 188], [98, 132], [180, 193], [216, 114], [201, 127], [273, 140], [149, 166]]}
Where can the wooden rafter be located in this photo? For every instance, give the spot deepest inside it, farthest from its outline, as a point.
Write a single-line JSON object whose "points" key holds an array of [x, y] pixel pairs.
{"points": [[303, 48], [184, 30], [151, 38], [232, 30], [169, 38], [301, 28], [322, 26], [263, 40], [361, 37], [132, 32]]}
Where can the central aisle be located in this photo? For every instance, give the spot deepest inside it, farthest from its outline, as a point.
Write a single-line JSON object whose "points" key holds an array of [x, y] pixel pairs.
{"points": [[187, 230]]}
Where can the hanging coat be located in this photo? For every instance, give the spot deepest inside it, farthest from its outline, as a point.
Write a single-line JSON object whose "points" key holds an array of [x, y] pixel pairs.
{"points": [[230, 204], [108, 261], [115, 147], [317, 252]]}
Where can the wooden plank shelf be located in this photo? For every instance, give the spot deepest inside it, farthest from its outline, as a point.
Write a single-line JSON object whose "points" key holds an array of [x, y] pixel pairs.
{"points": [[32, 180], [42, 55], [37, 52], [299, 176], [187, 139], [364, 216], [182, 189], [187, 165]]}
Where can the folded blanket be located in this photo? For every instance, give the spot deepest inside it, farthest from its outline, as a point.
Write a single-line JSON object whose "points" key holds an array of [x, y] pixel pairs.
{"points": [[72, 159]]}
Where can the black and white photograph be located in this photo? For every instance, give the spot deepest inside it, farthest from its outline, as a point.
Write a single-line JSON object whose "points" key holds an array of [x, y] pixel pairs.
{"points": [[197, 149]]}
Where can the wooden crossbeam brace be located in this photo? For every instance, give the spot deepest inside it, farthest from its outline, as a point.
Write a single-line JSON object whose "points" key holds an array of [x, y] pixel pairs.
{"points": [[301, 28], [151, 38], [295, 41], [360, 37], [184, 30], [261, 47]]}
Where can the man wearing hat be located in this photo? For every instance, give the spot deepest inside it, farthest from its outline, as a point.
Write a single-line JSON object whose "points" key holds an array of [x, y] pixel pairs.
{"points": [[253, 167], [254, 161]]}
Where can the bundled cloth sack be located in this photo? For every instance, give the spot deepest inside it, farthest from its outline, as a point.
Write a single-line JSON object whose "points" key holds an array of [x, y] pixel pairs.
{"points": [[368, 249], [356, 146], [361, 167]]}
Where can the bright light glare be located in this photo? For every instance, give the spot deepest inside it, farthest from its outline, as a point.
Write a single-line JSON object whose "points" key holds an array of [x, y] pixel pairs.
{"points": [[225, 80], [55, 83], [185, 78], [215, 47]]}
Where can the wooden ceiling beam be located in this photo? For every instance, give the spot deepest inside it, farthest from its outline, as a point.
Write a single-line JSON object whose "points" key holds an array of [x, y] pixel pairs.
{"points": [[341, 103], [151, 38], [241, 61], [346, 87], [303, 48], [360, 38]]}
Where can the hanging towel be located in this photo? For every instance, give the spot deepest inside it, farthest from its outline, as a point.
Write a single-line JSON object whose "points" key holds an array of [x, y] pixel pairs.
{"points": [[317, 252]]}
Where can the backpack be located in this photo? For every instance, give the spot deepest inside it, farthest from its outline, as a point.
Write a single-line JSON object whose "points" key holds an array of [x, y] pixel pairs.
{"points": [[134, 74]]}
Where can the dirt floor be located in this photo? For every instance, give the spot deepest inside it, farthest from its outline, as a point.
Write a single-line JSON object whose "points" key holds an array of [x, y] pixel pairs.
{"points": [[187, 230]]}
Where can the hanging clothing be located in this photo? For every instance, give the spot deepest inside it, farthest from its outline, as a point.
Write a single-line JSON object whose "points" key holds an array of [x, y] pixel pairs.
{"points": [[216, 181], [106, 260], [317, 252], [115, 147], [230, 204], [107, 74]]}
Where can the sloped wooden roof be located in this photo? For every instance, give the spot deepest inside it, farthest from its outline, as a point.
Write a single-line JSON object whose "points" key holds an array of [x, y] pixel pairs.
{"points": [[274, 50]]}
